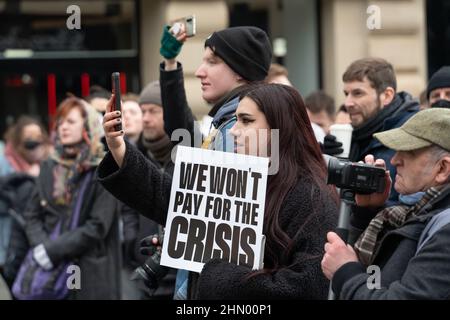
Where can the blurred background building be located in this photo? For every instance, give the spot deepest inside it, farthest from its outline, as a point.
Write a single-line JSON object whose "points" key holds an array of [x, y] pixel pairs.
{"points": [[41, 60]]}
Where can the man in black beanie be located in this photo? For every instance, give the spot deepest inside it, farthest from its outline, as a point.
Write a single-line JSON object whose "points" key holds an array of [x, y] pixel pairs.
{"points": [[233, 57], [438, 90]]}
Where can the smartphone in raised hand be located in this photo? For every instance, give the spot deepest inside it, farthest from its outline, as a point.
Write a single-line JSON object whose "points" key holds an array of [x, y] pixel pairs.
{"points": [[115, 84], [189, 24]]}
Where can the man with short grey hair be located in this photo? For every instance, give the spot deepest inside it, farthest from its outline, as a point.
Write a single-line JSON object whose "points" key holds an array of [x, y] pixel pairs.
{"points": [[407, 244]]}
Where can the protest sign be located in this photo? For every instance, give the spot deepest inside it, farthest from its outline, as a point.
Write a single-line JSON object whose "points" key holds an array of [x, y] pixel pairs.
{"points": [[216, 209]]}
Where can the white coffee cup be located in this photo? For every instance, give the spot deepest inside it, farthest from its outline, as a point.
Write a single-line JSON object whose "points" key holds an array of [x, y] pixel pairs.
{"points": [[343, 134]]}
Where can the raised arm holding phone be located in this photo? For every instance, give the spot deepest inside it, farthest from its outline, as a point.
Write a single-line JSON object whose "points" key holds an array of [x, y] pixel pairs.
{"points": [[233, 57]]}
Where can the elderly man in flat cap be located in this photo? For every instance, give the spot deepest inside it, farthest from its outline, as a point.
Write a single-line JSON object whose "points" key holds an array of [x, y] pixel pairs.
{"points": [[402, 252]]}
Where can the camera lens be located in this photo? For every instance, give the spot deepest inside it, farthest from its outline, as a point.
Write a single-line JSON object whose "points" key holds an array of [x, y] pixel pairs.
{"points": [[360, 178], [151, 271], [335, 167]]}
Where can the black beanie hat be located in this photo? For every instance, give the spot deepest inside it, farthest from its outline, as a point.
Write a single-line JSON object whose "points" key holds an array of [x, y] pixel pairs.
{"points": [[246, 50], [440, 79]]}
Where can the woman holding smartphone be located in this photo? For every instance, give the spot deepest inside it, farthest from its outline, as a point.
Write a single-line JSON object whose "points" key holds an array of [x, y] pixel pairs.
{"points": [[300, 207]]}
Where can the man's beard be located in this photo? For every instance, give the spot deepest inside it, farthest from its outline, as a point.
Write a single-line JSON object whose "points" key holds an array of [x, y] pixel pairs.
{"points": [[151, 135], [376, 111]]}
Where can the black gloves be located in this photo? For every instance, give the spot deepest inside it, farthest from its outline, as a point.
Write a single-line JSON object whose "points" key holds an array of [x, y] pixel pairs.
{"points": [[331, 146], [149, 245], [147, 275]]}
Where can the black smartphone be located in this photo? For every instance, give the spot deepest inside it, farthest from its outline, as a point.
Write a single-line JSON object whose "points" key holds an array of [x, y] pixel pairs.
{"points": [[115, 83]]}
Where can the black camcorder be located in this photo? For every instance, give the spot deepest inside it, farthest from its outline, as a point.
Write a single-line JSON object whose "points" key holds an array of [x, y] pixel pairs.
{"points": [[358, 177], [152, 271]]}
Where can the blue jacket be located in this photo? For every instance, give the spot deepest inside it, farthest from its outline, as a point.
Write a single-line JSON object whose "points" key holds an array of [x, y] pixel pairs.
{"points": [[5, 218], [223, 121], [5, 166]]}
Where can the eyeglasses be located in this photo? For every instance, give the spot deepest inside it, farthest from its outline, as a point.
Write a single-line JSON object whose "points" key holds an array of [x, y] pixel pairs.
{"points": [[31, 144]]}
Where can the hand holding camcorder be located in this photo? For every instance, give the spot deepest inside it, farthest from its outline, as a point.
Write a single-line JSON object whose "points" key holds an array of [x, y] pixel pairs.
{"points": [[370, 181], [150, 245], [151, 271]]}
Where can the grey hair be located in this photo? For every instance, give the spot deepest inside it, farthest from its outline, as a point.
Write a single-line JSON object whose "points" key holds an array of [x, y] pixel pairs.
{"points": [[438, 152]]}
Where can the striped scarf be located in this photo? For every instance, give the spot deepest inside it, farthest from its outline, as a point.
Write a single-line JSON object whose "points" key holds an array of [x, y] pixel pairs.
{"points": [[393, 217]]}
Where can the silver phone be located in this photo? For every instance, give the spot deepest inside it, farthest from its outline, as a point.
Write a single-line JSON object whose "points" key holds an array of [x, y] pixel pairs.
{"points": [[189, 23]]}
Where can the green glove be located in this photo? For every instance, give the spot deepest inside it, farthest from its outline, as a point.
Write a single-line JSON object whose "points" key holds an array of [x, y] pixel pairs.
{"points": [[170, 46]]}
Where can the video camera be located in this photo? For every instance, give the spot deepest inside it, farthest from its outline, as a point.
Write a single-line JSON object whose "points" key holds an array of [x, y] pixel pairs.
{"points": [[152, 271], [358, 177]]}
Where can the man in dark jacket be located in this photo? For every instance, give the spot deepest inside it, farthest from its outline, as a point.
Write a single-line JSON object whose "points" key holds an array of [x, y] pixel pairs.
{"points": [[374, 105], [406, 246], [153, 142], [232, 58]]}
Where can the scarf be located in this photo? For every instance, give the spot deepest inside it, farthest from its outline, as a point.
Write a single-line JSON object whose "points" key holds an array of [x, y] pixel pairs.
{"points": [[71, 164], [18, 163], [74, 161], [236, 92], [159, 149], [362, 136], [390, 218]]}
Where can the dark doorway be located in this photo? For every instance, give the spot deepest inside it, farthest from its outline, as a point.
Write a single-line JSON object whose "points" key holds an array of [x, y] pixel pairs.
{"points": [[42, 60], [242, 15], [438, 34]]}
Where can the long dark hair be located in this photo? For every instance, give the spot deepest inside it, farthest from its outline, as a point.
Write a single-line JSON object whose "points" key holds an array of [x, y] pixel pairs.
{"points": [[299, 158]]}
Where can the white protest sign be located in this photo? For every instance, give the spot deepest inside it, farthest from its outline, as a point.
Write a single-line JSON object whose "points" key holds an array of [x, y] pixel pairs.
{"points": [[216, 209]]}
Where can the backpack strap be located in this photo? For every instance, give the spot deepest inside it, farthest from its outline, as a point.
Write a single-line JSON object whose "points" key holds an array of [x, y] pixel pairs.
{"points": [[80, 199], [434, 225], [77, 209]]}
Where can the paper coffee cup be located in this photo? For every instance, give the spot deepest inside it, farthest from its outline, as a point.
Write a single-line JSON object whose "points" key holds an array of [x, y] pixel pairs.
{"points": [[343, 134]]}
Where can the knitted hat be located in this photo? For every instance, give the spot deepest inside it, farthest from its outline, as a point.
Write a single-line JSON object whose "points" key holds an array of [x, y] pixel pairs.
{"points": [[246, 50], [151, 94], [440, 79], [425, 128]]}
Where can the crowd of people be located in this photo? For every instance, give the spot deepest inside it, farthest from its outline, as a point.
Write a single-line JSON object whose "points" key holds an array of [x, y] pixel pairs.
{"points": [[91, 195]]}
